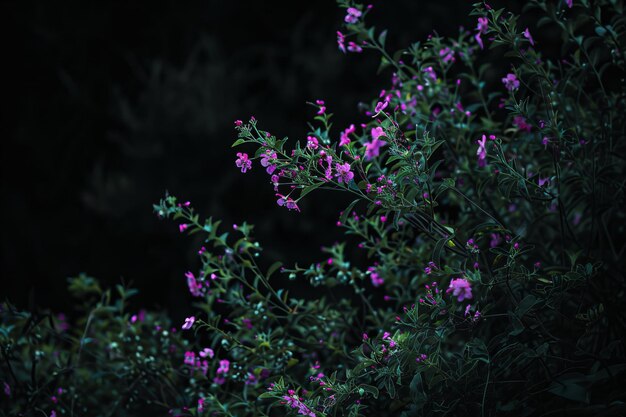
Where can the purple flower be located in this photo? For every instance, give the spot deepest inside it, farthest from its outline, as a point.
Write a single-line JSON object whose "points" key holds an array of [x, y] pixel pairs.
{"points": [[372, 149], [353, 47], [430, 72], [345, 139], [190, 358], [481, 27], [224, 366], [511, 82], [312, 142], [495, 240], [447, 54], [520, 123], [460, 288], [467, 309], [207, 352], [569, 3], [352, 15], [266, 161], [543, 181], [528, 36], [341, 39], [194, 287], [380, 106], [343, 173], [188, 323], [482, 151], [7, 389], [287, 202], [243, 162]]}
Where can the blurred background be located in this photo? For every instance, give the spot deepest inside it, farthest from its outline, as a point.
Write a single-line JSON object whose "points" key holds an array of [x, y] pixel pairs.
{"points": [[106, 105]]}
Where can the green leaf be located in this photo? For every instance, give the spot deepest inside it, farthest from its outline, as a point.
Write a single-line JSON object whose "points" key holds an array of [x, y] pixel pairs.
{"points": [[525, 305], [347, 211], [238, 142], [370, 390], [273, 269], [309, 188]]}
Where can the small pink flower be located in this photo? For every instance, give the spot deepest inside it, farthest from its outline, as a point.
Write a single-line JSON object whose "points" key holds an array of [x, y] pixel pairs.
{"points": [[287, 202], [238, 123], [207, 352], [194, 287], [341, 42], [343, 173], [345, 139], [352, 15], [482, 151], [267, 159], [380, 106], [372, 149], [182, 227], [188, 323], [543, 181], [447, 55], [520, 123], [460, 288], [312, 142], [511, 82], [482, 28], [353, 47], [243, 162], [528, 36], [224, 366]]}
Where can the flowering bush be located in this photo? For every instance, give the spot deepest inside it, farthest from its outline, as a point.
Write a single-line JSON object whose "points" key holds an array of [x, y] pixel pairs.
{"points": [[488, 194]]}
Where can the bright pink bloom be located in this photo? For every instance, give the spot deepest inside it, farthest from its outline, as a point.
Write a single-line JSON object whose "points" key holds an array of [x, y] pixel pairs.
{"points": [[267, 158], [380, 106], [190, 358], [528, 36], [312, 142], [353, 47], [287, 202], [238, 123], [482, 151], [511, 82], [188, 323], [460, 288], [224, 366], [195, 288], [352, 15], [372, 149], [343, 173], [345, 139], [447, 55], [243, 162], [207, 352], [341, 39], [481, 27]]}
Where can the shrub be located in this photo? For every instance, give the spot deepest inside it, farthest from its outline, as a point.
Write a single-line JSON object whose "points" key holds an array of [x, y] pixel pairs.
{"points": [[488, 185]]}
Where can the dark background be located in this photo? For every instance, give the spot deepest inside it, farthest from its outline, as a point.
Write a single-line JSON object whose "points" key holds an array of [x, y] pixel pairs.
{"points": [[107, 105]]}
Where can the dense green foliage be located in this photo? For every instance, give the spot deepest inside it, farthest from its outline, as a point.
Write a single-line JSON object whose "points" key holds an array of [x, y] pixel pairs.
{"points": [[488, 184]]}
